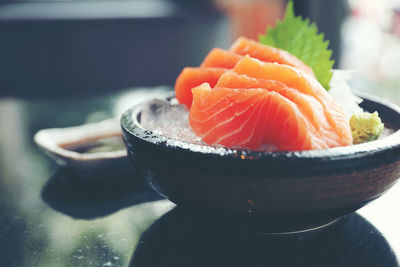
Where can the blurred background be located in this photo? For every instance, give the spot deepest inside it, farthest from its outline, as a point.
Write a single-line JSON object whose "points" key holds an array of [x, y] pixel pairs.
{"points": [[90, 46], [66, 63]]}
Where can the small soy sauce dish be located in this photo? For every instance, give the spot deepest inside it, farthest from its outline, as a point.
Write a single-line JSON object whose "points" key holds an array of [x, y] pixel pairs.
{"points": [[270, 192]]}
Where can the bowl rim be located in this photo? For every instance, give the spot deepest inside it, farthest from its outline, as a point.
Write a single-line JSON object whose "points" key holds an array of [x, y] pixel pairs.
{"points": [[131, 125]]}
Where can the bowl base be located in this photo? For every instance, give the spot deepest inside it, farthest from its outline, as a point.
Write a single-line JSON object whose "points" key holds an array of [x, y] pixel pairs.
{"points": [[305, 231], [272, 224]]}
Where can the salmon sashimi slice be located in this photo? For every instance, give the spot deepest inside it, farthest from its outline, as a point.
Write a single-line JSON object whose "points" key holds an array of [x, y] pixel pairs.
{"points": [[244, 46], [305, 84], [227, 59], [250, 118], [220, 58], [216, 119], [192, 77], [308, 105]]}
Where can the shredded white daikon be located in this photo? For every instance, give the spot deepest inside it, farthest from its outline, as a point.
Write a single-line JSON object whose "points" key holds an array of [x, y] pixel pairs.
{"points": [[341, 92]]}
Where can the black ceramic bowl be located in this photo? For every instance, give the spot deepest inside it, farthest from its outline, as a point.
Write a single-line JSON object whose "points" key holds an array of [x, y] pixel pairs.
{"points": [[324, 184]]}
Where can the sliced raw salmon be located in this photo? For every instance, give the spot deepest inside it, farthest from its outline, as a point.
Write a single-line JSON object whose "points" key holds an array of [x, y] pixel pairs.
{"points": [[249, 118], [192, 77], [215, 63], [244, 46], [254, 96], [307, 104], [305, 84], [220, 58]]}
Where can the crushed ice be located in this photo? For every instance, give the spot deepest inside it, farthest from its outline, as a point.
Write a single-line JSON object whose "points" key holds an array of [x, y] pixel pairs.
{"points": [[169, 119]]}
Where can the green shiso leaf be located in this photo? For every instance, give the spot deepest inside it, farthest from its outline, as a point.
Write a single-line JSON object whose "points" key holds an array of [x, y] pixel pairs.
{"points": [[300, 38]]}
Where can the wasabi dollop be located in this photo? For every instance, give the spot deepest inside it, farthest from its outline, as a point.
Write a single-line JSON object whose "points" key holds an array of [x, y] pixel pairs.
{"points": [[365, 127]]}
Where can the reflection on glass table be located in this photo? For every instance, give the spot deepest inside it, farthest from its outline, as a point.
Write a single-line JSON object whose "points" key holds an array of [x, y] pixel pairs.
{"points": [[182, 239], [96, 197]]}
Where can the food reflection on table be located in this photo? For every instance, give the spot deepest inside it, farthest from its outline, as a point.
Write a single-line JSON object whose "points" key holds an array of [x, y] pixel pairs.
{"points": [[180, 238]]}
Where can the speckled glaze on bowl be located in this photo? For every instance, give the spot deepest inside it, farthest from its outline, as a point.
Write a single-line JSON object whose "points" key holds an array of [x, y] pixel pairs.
{"points": [[329, 183]]}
